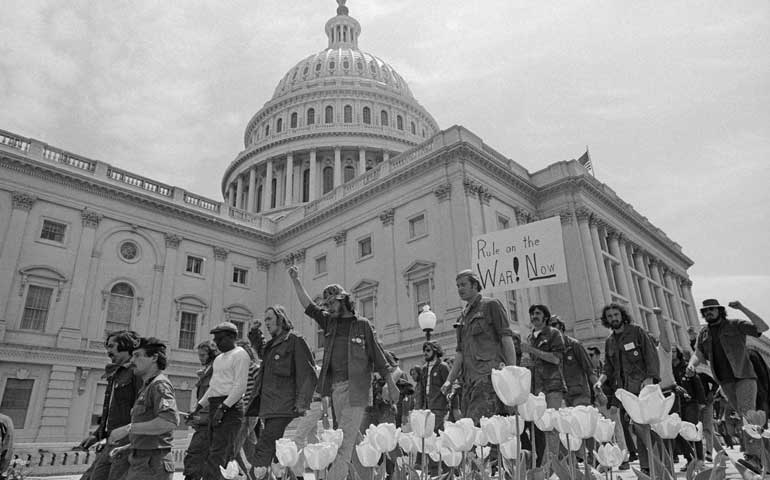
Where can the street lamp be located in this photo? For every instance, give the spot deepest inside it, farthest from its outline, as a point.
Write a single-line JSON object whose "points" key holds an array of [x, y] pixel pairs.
{"points": [[427, 321]]}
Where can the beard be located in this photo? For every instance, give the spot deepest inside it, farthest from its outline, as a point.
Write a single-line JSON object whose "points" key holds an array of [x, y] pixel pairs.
{"points": [[712, 321], [616, 324]]}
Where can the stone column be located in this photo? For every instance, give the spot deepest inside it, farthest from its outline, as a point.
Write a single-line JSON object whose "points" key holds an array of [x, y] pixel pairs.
{"points": [[70, 333], [621, 279], [361, 160], [694, 312], [385, 156], [239, 192], [166, 302], [646, 293], [231, 196], [676, 304], [267, 187], [593, 224], [337, 166], [11, 247], [313, 176], [289, 197], [594, 281], [251, 205]]}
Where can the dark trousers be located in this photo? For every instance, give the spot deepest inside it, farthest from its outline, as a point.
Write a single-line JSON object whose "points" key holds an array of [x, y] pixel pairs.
{"points": [[196, 453], [272, 431], [154, 465], [222, 437], [106, 468]]}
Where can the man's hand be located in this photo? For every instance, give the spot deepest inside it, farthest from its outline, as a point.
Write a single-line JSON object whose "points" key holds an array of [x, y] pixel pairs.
{"points": [[598, 386], [117, 450], [86, 444], [446, 388], [293, 272], [219, 414], [736, 304], [119, 434], [689, 371]]}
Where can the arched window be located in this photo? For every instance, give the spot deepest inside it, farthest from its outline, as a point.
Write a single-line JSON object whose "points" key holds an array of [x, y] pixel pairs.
{"points": [[279, 125], [384, 118], [414, 129], [349, 173], [348, 113], [399, 122], [328, 179], [310, 116], [306, 185], [367, 116], [267, 130], [293, 123], [273, 192], [120, 308], [329, 114], [259, 199]]}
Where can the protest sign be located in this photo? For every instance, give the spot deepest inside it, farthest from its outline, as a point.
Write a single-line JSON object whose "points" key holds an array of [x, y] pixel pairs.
{"points": [[525, 256]]}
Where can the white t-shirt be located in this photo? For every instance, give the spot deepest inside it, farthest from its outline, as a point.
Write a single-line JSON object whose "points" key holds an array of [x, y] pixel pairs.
{"points": [[667, 379], [230, 377]]}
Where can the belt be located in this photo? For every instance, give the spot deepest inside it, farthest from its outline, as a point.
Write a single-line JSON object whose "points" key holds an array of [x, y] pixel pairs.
{"points": [[148, 452]]}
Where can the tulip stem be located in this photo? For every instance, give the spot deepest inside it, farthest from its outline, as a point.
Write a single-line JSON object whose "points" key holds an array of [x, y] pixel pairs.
{"points": [[533, 442], [423, 461], [518, 446], [647, 439]]}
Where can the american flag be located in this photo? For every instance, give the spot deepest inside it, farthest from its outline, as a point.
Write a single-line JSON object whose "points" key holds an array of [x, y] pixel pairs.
{"points": [[585, 161]]}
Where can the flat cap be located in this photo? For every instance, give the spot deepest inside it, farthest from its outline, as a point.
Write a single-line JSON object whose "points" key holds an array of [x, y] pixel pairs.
{"points": [[225, 327]]}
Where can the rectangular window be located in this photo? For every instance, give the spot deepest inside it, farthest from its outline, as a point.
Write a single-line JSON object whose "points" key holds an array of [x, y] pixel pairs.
{"points": [[365, 247], [367, 308], [187, 326], [15, 401], [422, 294], [53, 231], [239, 326], [96, 412], [503, 223], [320, 265], [183, 402], [610, 277], [669, 305], [194, 265], [603, 241], [630, 258], [417, 226], [638, 288], [239, 275], [36, 308]]}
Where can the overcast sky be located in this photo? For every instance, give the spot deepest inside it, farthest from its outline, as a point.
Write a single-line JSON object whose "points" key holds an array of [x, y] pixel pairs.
{"points": [[673, 98]]}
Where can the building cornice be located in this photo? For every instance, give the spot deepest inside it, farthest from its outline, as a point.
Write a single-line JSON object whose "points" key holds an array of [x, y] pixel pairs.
{"points": [[52, 174]]}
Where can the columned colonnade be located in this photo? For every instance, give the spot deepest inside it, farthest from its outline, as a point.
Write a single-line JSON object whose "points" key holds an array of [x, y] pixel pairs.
{"points": [[299, 176], [619, 270]]}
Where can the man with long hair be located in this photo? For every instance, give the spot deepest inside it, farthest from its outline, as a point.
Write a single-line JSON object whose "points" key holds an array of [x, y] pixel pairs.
{"points": [[630, 361], [722, 342], [285, 385], [123, 387], [351, 355]]}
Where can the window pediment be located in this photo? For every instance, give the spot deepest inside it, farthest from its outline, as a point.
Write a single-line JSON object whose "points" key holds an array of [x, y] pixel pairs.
{"points": [[419, 270], [45, 274]]}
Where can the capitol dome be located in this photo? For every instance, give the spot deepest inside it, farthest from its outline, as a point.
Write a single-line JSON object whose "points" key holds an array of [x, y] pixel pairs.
{"points": [[334, 116]]}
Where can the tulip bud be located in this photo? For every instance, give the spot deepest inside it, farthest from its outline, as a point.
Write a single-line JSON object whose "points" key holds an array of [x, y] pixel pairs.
{"points": [[508, 447], [533, 408], [332, 436], [384, 437], [610, 455], [547, 421], [231, 471], [286, 452], [605, 429], [408, 442], [512, 384], [368, 454], [668, 428], [318, 456], [423, 422], [583, 421], [480, 438]]}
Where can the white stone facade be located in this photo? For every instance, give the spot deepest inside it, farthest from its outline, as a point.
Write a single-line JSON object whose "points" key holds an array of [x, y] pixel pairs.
{"points": [[85, 246]]}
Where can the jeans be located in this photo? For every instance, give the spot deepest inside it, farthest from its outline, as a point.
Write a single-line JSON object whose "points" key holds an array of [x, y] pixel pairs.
{"points": [[273, 430], [742, 396], [349, 421]]}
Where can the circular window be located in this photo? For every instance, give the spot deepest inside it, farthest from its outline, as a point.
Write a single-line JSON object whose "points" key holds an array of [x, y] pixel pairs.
{"points": [[129, 251]]}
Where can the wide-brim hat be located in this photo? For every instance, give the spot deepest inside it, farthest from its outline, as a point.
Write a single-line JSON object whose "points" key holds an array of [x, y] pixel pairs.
{"points": [[225, 327], [711, 303]]}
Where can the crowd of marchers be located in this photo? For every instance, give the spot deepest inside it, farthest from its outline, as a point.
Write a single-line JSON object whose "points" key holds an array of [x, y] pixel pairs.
{"points": [[251, 394]]}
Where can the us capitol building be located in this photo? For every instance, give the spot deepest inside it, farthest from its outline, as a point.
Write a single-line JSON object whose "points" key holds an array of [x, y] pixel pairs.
{"points": [[344, 174]]}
